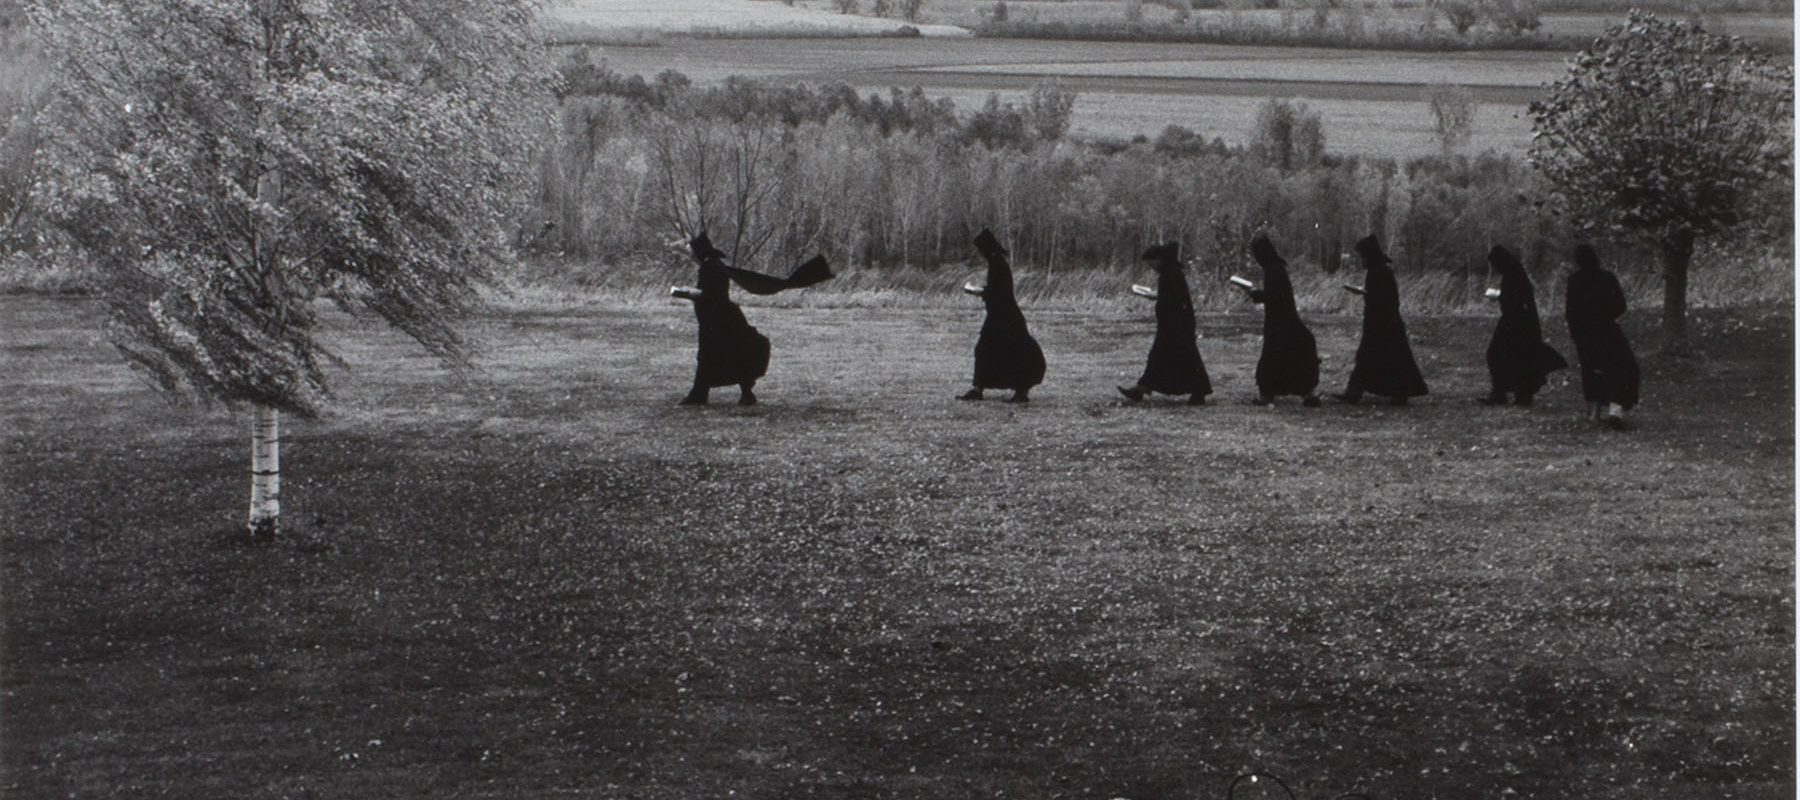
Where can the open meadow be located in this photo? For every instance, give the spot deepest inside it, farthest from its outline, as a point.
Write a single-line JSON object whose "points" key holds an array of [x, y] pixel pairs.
{"points": [[548, 580]]}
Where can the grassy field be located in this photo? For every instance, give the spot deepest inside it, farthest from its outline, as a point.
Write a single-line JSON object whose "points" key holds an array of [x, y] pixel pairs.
{"points": [[547, 580]]}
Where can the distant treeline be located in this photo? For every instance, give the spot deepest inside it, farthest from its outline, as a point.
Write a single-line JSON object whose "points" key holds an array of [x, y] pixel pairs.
{"points": [[1452, 26], [903, 181], [1338, 36], [1044, 115]]}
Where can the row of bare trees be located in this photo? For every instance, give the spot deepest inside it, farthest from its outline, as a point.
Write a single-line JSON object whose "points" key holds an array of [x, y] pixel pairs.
{"points": [[774, 191]]}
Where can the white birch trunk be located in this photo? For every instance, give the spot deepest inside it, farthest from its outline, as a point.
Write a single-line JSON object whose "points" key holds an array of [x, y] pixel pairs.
{"points": [[265, 473]]}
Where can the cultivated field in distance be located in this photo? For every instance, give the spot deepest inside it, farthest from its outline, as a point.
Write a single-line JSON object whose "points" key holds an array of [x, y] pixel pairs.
{"points": [[1372, 101], [649, 20], [1721, 18]]}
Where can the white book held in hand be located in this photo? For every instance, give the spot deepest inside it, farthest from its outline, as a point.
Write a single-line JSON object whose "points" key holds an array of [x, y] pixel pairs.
{"points": [[1242, 283], [1143, 291], [1492, 294], [684, 292], [1353, 288], [971, 288]]}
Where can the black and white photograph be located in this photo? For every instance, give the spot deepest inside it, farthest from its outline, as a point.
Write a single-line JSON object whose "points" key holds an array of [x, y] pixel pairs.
{"points": [[898, 399]]}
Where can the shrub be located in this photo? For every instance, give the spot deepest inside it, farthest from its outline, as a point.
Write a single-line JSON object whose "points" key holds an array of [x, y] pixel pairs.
{"points": [[1288, 136], [1049, 109], [1177, 141], [1513, 16], [1461, 14], [1452, 110], [1352, 19], [1321, 13]]}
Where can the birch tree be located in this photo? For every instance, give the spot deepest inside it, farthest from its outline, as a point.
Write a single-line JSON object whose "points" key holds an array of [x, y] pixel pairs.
{"points": [[231, 165]]}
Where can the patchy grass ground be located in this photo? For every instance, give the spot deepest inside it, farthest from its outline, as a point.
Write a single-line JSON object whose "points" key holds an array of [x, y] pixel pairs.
{"points": [[550, 581]]}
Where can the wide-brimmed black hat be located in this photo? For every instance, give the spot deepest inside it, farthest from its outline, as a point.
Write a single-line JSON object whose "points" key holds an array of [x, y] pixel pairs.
{"points": [[1370, 250]]}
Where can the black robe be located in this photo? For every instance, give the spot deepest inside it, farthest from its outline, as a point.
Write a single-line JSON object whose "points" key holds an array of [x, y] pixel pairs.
{"points": [[1384, 358], [1290, 358], [1174, 366], [1006, 357], [1518, 360], [1593, 305], [731, 351]]}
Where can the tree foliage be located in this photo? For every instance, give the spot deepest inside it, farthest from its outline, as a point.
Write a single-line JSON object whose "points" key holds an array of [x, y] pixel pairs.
{"points": [[1452, 109], [224, 163], [1288, 135], [1665, 130]]}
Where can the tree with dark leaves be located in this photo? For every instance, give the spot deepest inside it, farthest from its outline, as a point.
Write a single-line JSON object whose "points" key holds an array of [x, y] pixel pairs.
{"points": [[1664, 131]]}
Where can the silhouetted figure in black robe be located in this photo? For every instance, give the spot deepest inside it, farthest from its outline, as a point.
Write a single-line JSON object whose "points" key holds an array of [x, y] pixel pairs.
{"points": [[1518, 360], [732, 353], [1006, 357], [1174, 366], [1384, 358], [1593, 306], [1290, 358]]}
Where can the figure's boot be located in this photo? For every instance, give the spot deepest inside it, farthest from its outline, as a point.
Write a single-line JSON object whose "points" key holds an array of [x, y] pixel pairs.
{"points": [[1347, 396], [1312, 401], [695, 396], [972, 394], [1264, 400], [1523, 399], [747, 393], [1133, 393], [1196, 399], [1496, 397], [1020, 396]]}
